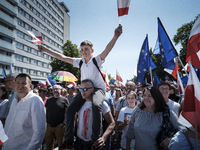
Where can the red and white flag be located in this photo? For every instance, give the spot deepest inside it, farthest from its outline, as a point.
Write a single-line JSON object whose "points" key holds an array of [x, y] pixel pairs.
{"points": [[123, 7], [37, 36], [42, 83], [193, 45], [118, 77], [3, 136], [173, 72], [180, 85], [191, 102]]}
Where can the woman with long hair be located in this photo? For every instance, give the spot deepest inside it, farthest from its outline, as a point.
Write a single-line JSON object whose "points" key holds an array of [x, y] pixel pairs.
{"points": [[3, 103], [147, 119], [118, 94]]}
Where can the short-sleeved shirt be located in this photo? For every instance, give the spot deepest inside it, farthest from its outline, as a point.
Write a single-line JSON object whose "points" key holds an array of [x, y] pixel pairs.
{"points": [[90, 71], [121, 103], [125, 112], [85, 120], [4, 108], [174, 106], [56, 110], [108, 99]]}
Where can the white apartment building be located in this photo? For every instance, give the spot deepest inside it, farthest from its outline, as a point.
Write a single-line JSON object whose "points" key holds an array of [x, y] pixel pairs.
{"points": [[50, 17]]}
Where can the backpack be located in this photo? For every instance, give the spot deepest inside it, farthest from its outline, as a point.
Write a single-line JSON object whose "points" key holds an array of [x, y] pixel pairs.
{"points": [[95, 63]]}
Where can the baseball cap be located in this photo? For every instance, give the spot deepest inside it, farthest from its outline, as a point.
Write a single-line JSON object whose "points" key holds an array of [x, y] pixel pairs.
{"points": [[70, 86]]}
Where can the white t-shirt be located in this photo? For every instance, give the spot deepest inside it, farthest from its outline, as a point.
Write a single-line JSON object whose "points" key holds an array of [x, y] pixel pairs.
{"points": [[85, 120], [125, 112], [174, 106], [90, 71]]}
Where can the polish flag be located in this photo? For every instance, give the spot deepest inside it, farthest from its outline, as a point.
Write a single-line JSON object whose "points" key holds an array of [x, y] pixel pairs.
{"points": [[123, 7], [180, 85], [37, 36], [193, 45], [191, 102], [118, 77], [42, 83], [173, 72], [3, 136]]}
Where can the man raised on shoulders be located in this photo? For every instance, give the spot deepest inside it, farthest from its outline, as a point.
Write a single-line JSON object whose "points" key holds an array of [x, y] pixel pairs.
{"points": [[26, 122]]}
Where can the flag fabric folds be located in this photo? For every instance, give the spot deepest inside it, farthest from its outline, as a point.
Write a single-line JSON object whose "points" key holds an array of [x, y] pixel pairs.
{"points": [[191, 102], [3, 136], [167, 50], [156, 80], [3, 72], [174, 71], [37, 36], [145, 63], [118, 77], [180, 85], [123, 7], [193, 45]]}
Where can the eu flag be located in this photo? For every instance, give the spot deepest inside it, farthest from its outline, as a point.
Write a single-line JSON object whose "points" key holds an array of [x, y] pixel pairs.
{"points": [[167, 50], [145, 63], [156, 80]]}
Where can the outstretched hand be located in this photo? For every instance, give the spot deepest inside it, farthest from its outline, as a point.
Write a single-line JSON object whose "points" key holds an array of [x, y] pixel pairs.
{"points": [[40, 48], [118, 30]]}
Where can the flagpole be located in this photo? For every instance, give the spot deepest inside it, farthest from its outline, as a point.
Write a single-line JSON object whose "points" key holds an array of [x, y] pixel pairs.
{"points": [[195, 120], [182, 65], [151, 75]]}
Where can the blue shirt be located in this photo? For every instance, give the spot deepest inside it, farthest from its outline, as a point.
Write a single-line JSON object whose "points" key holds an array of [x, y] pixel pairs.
{"points": [[108, 99]]}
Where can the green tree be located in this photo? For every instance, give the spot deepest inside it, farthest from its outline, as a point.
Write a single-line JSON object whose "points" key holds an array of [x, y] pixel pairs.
{"points": [[70, 50]]}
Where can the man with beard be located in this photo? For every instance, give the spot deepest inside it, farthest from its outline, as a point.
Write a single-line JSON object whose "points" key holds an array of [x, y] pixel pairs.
{"points": [[55, 109]]}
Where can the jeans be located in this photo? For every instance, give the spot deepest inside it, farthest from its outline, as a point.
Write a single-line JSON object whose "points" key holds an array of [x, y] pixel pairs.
{"points": [[97, 101]]}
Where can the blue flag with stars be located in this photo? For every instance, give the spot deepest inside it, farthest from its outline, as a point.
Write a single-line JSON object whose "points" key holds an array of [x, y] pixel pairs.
{"points": [[167, 50], [145, 63], [156, 80]]}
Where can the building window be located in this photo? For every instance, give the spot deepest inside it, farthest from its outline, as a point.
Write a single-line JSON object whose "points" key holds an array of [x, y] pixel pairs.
{"points": [[37, 23], [19, 45], [18, 69], [5, 39], [23, 2], [37, 13], [29, 49], [20, 34], [34, 72], [43, 9], [28, 71], [30, 18], [28, 60], [20, 22], [35, 62]]}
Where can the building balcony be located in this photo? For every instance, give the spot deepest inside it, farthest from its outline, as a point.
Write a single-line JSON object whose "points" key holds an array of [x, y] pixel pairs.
{"points": [[6, 32], [7, 46], [7, 19], [6, 59], [8, 8]]}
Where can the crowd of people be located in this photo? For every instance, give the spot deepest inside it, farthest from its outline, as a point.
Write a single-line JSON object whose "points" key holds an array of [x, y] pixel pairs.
{"points": [[91, 116]]}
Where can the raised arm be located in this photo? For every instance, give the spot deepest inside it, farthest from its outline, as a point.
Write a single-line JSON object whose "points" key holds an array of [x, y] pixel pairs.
{"points": [[55, 54], [118, 32]]}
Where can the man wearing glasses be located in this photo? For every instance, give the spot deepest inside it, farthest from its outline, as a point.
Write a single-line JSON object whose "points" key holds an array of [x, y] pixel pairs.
{"points": [[55, 110], [164, 88], [85, 119]]}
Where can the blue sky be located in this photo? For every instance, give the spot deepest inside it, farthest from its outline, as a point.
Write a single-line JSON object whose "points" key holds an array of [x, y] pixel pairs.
{"points": [[96, 20]]}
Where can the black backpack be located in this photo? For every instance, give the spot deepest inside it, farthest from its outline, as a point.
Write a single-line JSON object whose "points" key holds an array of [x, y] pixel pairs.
{"points": [[95, 63]]}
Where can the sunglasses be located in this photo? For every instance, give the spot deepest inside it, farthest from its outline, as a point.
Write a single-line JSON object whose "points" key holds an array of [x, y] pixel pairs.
{"points": [[84, 89]]}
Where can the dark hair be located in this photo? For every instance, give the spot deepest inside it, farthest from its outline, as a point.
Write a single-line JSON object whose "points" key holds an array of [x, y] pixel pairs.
{"points": [[158, 98], [164, 83], [23, 75], [44, 90], [88, 81], [5, 95], [86, 42], [131, 92]]}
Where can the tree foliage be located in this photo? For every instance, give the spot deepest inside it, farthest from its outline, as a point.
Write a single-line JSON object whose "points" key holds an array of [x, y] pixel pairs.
{"points": [[70, 50]]}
